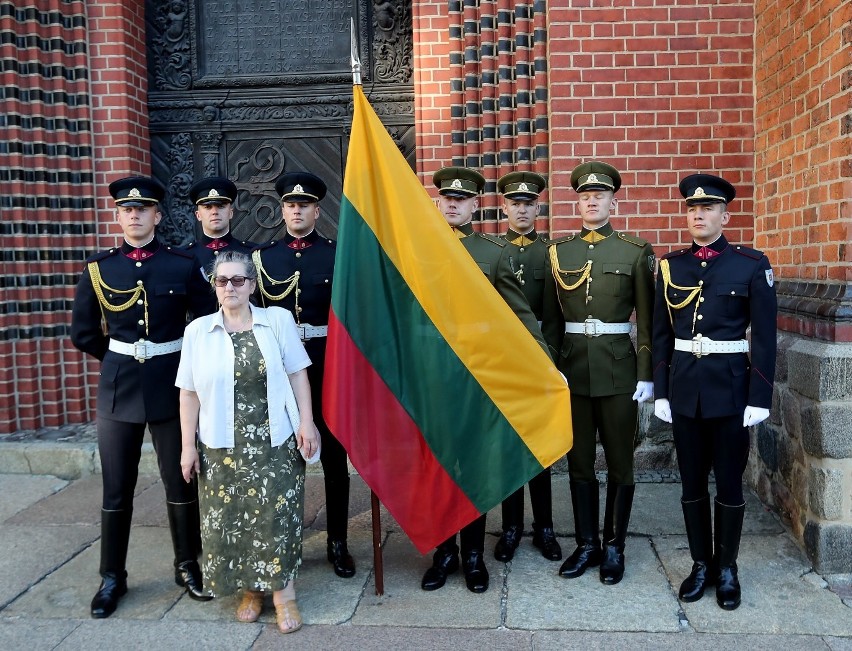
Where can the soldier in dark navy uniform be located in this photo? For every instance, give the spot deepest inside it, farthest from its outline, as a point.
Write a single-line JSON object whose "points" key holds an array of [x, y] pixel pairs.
{"points": [[597, 279], [706, 384], [214, 199], [130, 310], [458, 190], [528, 250], [296, 273]]}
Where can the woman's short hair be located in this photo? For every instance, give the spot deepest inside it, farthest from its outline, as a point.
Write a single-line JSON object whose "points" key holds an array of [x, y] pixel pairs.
{"points": [[235, 257]]}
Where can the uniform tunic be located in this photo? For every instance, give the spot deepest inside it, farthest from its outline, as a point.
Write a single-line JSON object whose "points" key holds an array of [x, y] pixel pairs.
{"points": [[308, 297], [715, 291], [609, 275], [528, 254], [205, 251], [151, 289]]}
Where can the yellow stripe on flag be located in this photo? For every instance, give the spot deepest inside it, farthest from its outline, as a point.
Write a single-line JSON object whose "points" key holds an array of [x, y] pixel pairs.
{"points": [[481, 329]]}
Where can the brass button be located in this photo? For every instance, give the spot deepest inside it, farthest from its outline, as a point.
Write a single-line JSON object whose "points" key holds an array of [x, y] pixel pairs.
{"points": [[326, 281], [139, 302], [700, 282], [215, 252], [138, 264], [733, 293], [700, 316], [704, 263], [139, 282], [591, 246], [701, 300], [521, 249], [617, 271], [171, 291], [298, 254], [141, 322]]}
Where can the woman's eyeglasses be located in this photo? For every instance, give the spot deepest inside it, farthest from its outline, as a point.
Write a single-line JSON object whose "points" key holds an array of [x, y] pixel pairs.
{"points": [[236, 281]]}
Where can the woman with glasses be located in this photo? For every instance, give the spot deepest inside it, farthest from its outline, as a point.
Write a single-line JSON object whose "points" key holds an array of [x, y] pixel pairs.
{"points": [[254, 430]]}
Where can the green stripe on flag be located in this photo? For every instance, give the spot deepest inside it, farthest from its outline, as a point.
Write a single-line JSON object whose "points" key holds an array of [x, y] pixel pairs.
{"points": [[390, 327]]}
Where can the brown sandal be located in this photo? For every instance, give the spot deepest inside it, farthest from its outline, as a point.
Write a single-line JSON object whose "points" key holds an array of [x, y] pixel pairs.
{"points": [[253, 603], [285, 611]]}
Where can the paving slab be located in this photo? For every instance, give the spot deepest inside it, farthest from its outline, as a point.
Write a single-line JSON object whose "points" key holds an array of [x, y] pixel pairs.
{"points": [[149, 636], [67, 592], [538, 598], [559, 641], [780, 595], [355, 638], [36, 635], [29, 553], [404, 603], [839, 643], [22, 491], [78, 503]]}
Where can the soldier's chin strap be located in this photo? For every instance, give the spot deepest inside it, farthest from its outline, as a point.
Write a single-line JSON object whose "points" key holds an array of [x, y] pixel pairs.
{"points": [[292, 282], [99, 286], [584, 271], [693, 293]]}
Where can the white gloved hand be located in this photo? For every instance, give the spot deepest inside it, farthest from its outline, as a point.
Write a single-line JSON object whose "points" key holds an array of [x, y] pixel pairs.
{"points": [[754, 415], [663, 410], [644, 391]]}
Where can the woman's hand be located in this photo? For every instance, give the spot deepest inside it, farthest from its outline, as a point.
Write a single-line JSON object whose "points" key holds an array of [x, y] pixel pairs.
{"points": [[189, 463], [307, 438]]}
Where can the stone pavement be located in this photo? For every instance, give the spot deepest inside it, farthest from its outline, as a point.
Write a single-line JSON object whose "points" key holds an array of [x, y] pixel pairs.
{"points": [[49, 551]]}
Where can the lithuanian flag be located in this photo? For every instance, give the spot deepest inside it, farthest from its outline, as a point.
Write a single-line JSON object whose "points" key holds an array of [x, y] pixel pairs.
{"points": [[444, 401]]}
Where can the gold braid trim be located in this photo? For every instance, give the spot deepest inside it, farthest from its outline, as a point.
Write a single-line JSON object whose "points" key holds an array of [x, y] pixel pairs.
{"points": [[99, 286], [292, 280], [584, 271], [693, 292]]}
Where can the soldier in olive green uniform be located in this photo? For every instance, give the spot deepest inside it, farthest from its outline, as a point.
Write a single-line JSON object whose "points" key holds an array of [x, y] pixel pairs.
{"points": [[458, 188], [528, 251], [597, 278]]}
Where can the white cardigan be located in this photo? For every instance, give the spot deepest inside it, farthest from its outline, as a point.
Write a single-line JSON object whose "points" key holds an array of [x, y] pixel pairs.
{"points": [[207, 368]]}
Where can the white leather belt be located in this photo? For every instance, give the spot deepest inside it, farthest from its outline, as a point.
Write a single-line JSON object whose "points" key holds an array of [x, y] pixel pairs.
{"points": [[144, 349], [705, 346], [596, 328], [308, 331]]}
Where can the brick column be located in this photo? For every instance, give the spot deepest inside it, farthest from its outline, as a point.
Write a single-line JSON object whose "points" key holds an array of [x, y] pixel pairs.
{"points": [[802, 458], [74, 117]]}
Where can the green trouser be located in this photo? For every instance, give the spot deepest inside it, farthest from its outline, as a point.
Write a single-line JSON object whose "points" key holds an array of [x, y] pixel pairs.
{"points": [[614, 419]]}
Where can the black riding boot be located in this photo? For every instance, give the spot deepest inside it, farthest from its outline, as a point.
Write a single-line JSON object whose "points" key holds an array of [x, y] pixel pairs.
{"points": [[696, 516], [619, 502], [472, 542], [729, 528], [337, 521], [513, 527], [185, 526], [584, 499], [541, 499], [115, 535], [445, 561]]}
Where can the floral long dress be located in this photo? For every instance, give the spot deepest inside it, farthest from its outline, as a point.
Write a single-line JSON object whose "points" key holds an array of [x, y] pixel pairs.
{"points": [[251, 495]]}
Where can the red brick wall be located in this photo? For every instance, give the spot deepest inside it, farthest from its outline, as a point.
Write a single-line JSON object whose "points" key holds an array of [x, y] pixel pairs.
{"points": [[803, 168], [74, 111], [658, 91]]}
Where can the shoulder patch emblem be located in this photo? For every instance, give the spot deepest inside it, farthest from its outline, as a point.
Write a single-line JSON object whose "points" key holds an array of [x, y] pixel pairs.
{"points": [[770, 277], [652, 262]]}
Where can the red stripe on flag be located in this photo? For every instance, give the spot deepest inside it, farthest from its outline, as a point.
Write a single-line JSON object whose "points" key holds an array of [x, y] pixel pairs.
{"points": [[387, 448]]}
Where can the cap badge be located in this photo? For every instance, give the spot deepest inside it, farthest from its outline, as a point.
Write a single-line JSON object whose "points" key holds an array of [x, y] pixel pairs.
{"points": [[523, 187], [592, 179], [134, 194], [298, 188], [699, 192], [213, 193], [456, 184]]}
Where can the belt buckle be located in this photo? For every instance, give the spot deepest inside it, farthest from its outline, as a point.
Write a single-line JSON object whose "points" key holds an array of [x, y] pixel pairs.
{"points": [[696, 347], [590, 328], [140, 351]]}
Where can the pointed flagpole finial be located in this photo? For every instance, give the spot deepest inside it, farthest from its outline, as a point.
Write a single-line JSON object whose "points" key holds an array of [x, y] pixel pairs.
{"points": [[356, 62]]}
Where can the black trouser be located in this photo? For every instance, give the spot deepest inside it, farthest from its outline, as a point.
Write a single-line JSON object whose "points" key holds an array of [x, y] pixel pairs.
{"points": [[614, 419], [717, 444], [120, 447], [540, 499], [472, 537], [335, 467]]}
